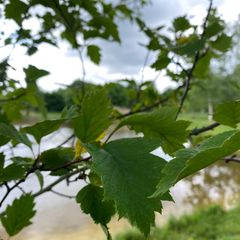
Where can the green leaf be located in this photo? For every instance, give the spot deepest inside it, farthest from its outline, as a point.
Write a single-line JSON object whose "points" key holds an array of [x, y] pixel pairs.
{"points": [[214, 29], [228, 113], [56, 158], [189, 161], [11, 132], [11, 13], [94, 118], [2, 159], [161, 62], [223, 43], [92, 202], [181, 24], [190, 48], [23, 161], [202, 67], [19, 214], [33, 73], [12, 172], [129, 174], [93, 52], [44, 128], [40, 178], [160, 125]]}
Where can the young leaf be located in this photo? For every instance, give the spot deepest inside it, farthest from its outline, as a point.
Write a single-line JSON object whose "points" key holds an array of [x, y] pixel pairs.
{"points": [[33, 73], [181, 24], [223, 43], [91, 200], [129, 174], [189, 161], [228, 113], [44, 128], [57, 157], [93, 52], [11, 13], [94, 118], [11, 132], [161, 62], [190, 48], [19, 214], [161, 126]]}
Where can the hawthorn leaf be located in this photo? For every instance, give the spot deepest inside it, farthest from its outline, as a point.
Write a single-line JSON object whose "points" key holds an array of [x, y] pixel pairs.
{"points": [[223, 43], [40, 178], [12, 172], [129, 174], [93, 52], [2, 160], [181, 24], [190, 48], [228, 113], [19, 214], [189, 161], [11, 13], [11, 132], [161, 63], [44, 128], [55, 158], [213, 29], [202, 67], [94, 118], [160, 125], [92, 202], [33, 73]]}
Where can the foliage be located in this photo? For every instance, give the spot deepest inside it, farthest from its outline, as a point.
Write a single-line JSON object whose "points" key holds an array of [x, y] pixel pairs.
{"points": [[124, 176], [211, 223]]}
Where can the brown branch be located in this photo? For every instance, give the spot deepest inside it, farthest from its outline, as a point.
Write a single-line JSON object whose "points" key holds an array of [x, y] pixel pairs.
{"points": [[196, 59], [152, 106], [60, 179], [197, 131], [232, 159]]}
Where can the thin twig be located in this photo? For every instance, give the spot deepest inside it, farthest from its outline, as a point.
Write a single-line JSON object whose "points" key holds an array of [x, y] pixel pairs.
{"points": [[197, 131], [62, 194], [196, 59]]}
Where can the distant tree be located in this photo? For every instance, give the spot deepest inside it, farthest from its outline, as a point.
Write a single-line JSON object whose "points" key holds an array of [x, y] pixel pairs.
{"points": [[54, 102]]}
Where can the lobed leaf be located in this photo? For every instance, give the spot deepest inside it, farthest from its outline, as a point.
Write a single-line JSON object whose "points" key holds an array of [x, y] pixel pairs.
{"points": [[189, 161], [228, 113], [92, 202], [94, 118], [18, 215], [161, 126], [129, 174]]}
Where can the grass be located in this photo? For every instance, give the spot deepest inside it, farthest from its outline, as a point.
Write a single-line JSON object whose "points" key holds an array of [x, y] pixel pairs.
{"points": [[212, 223]]}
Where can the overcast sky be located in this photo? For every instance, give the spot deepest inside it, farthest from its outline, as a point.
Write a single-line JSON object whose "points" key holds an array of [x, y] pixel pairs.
{"points": [[118, 61]]}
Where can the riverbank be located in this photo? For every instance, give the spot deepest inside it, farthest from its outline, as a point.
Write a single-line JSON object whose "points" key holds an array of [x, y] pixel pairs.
{"points": [[211, 223]]}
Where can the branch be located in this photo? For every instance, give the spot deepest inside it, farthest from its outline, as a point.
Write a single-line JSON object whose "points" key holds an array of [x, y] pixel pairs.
{"points": [[62, 194], [152, 106], [12, 98], [232, 159], [197, 131], [196, 59], [62, 178]]}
